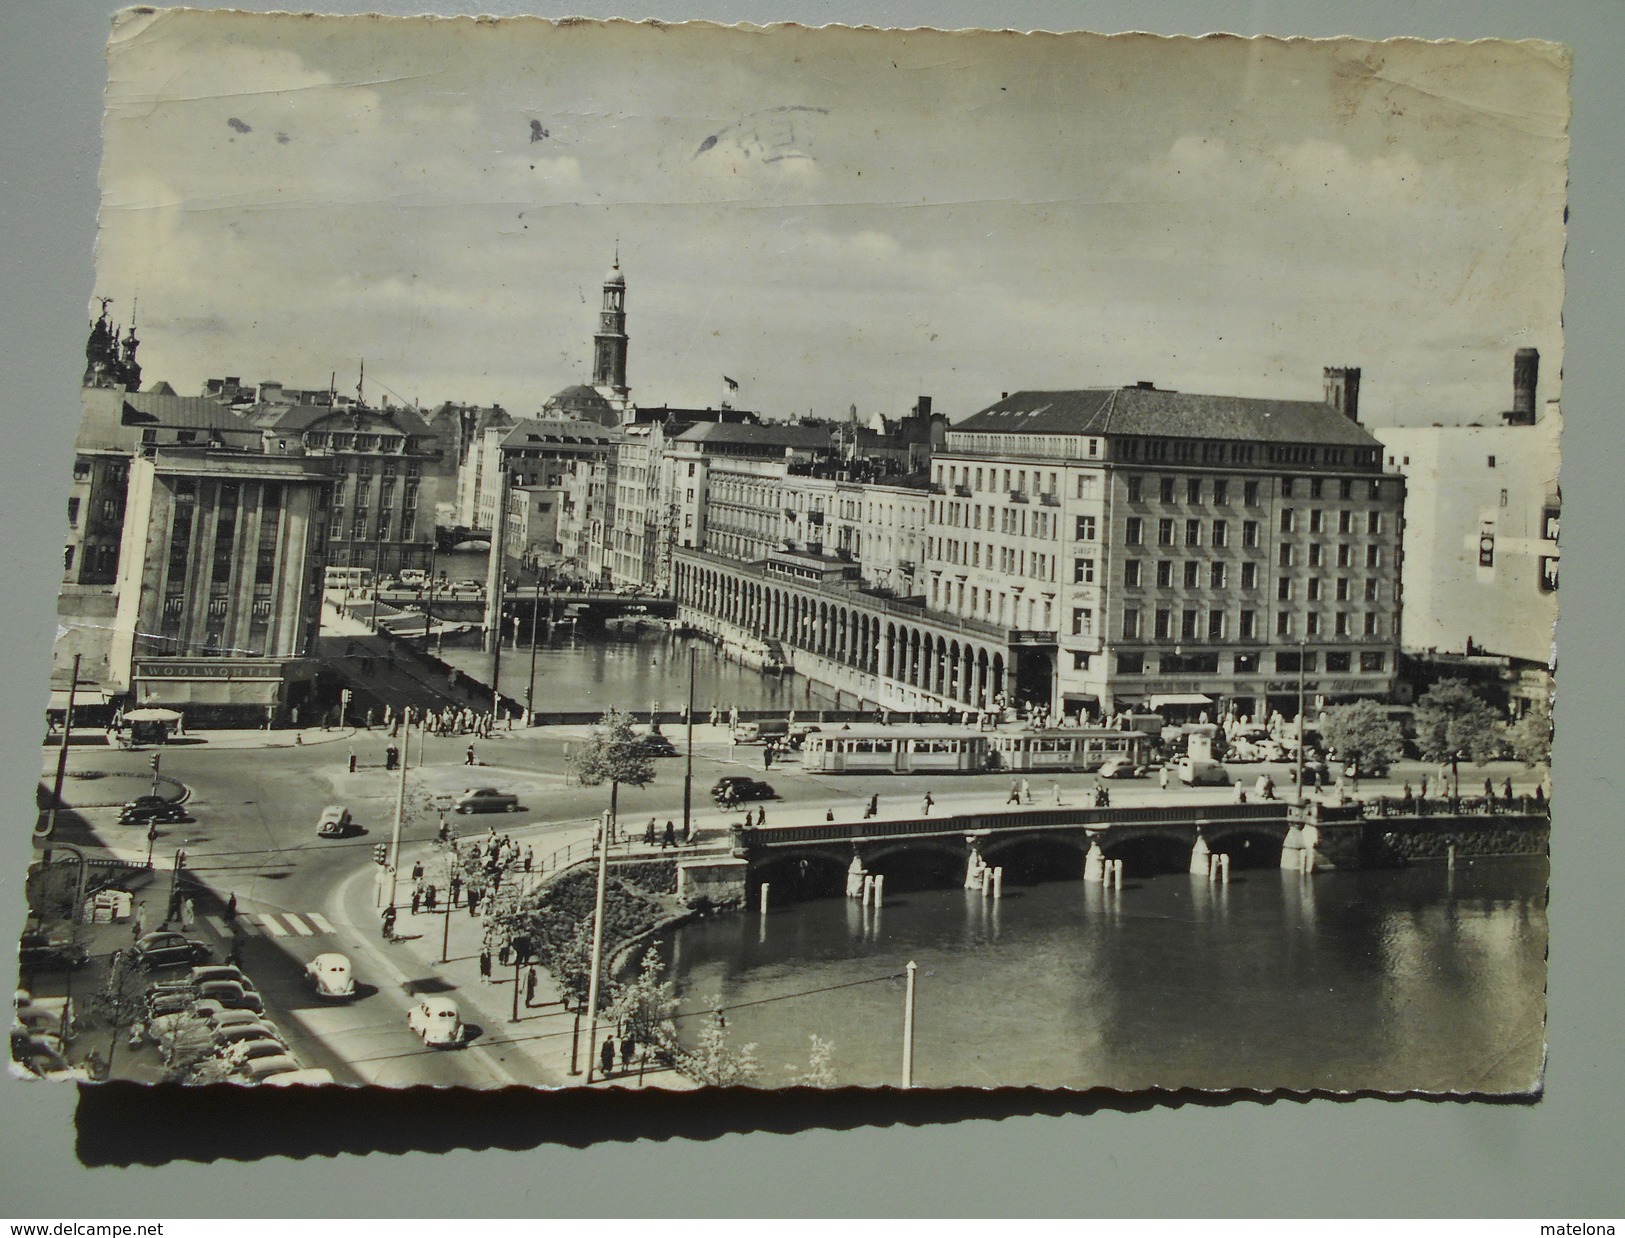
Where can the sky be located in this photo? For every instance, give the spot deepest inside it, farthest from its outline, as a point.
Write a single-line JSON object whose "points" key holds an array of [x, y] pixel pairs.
{"points": [[831, 217]]}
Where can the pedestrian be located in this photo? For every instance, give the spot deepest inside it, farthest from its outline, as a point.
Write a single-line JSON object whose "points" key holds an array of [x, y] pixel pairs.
{"points": [[606, 1056], [669, 839], [829, 814], [505, 955], [1015, 794], [649, 833], [761, 815], [417, 871], [188, 914], [530, 856], [1162, 778], [485, 965], [417, 899], [1056, 787], [1506, 790], [1489, 788], [141, 918], [1424, 786], [389, 924], [874, 806], [469, 759], [926, 803], [767, 756], [1026, 791], [456, 888], [628, 1048], [530, 987], [231, 908], [473, 902], [430, 897]]}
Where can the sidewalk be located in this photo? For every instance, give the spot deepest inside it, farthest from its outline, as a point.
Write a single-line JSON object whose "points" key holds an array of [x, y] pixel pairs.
{"points": [[539, 1043]]}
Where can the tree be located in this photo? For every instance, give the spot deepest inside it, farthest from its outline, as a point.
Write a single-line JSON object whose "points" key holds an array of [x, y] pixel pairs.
{"points": [[1453, 721], [1362, 734], [121, 1001], [714, 1061], [1531, 735], [612, 754], [643, 1007], [820, 1072]]}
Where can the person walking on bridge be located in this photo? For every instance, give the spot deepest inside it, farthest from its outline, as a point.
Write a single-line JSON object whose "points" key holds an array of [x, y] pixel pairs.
{"points": [[469, 759]]}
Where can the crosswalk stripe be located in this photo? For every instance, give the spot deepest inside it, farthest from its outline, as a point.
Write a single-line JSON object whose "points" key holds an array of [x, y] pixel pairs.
{"points": [[267, 919], [320, 921], [298, 925], [218, 925]]}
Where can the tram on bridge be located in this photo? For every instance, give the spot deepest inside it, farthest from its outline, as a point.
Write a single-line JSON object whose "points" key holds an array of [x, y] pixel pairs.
{"points": [[874, 749]]}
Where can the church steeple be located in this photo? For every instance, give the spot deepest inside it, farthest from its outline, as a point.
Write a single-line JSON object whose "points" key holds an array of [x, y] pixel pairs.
{"points": [[110, 361], [609, 343]]}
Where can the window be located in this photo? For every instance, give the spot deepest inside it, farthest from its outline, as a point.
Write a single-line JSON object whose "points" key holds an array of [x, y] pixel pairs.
{"points": [[1133, 533], [1371, 590], [1193, 533], [1080, 660], [1193, 490], [1165, 532], [1548, 573], [1373, 520], [67, 558], [1131, 624], [1317, 523], [1373, 556], [1131, 663], [1215, 576], [1192, 573], [1314, 623], [1246, 663], [1345, 521], [1249, 493], [1163, 628], [1372, 660], [1221, 533], [1286, 554], [1221, 492], [1283, 589], [1341, 627], [73, 512], [1086, 529], [1249, 533], [1342, 589], [1248, 626], [1316, 554], [1083, 571], [1131, 573], [1290, 661], [1375, 489], [1345, 554], [1167, 489], [1187, 624], [1315, 487], [1314, 588], [1339, 663], [1133, 489], [1083, 622], [1215, 625], [1288, 519], [1371, 623], [1286, 487], [1165, 573], [1492, 462], [1249, 575], [1283, 624]]}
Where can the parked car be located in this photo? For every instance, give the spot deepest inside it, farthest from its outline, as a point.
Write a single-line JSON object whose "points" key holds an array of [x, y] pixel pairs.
{"points": [[230, 995], [1194, 771], [299, 1078], [39, 953], [336, 822], [435, 1020], [171, 1004], [254, 1049], [735, 789], [654, 745], [797, 735], [1120, 767], [221, 1018], [486, 799], [256, 1029], [330, 976], [219, 971], [148, 809], [44, 1015], [165, 949], [264, 1068], [748, 733]]}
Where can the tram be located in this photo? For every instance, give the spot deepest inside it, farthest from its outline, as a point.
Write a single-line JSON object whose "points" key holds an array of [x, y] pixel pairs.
{"points": [[347, 579], [895, 750], [1065, 749]]}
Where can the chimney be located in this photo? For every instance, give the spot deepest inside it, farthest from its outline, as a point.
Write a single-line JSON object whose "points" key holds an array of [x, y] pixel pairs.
{"points": [[1145, 384], [922, 407], [1343, 390], [1525, 377]]}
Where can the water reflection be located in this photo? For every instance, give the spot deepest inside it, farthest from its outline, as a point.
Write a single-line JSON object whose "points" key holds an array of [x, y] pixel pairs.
{"points": [[1341, 980]]}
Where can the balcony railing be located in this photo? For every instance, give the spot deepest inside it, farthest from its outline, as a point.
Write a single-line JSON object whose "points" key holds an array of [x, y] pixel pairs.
{"points": [[1019, 496], [962, 491], [1032, 636], [1050, 500]]}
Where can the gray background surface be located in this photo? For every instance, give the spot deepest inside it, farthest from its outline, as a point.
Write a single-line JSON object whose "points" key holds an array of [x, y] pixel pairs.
{"points": [[1554, 1159]]}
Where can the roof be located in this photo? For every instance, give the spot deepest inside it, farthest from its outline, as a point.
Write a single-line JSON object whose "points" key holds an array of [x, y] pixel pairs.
{"points": [[555, 430], [300, 417], [772, 434], [1117, 411], [578, 396], [180, 412]]}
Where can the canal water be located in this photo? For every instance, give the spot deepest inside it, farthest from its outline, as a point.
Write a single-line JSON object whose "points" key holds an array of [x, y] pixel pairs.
{"points": [[1413, 979]]}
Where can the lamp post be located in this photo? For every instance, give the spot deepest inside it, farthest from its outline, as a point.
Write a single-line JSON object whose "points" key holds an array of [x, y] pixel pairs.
{"points": [[1303, 657], [61, 766], [535, 622], [428, 610], [688, 773]]}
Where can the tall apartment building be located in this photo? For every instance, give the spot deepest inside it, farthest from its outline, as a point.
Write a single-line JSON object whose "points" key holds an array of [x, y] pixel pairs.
{"points": [[1171, 550], [727, 484]]}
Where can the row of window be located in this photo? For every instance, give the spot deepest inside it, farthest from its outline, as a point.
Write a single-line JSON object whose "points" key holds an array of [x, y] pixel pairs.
{"points": [[1346, 521], [1012, 561], [1017, 521], [383, 531], [1338, 662], [1214, 624], [396, 443]]}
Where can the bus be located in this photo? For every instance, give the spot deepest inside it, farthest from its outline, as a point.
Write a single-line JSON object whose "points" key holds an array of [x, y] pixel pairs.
{"points": [[872, 749], [348, 579]]}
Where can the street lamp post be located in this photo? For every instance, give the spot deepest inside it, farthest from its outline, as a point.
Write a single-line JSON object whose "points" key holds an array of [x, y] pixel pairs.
{"points": [[688, 773], [61, 765], [1303, 655], [535, 622], [428, 611], [400, 813]]}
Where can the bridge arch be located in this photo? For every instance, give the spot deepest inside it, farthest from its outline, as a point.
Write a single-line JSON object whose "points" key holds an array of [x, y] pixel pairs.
{"points": [[1028, 859], [801, 874], [1248, 845], [919, 863], [1149, 852]]}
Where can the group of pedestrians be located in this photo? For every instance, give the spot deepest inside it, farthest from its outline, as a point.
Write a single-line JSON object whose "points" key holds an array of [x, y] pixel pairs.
{"points": [[464, 721]]}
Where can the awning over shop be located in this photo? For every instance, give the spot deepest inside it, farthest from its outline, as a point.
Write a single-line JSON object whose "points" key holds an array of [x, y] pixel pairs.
{"points": [[151, 715], [1180, 698], [81, 698]]}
